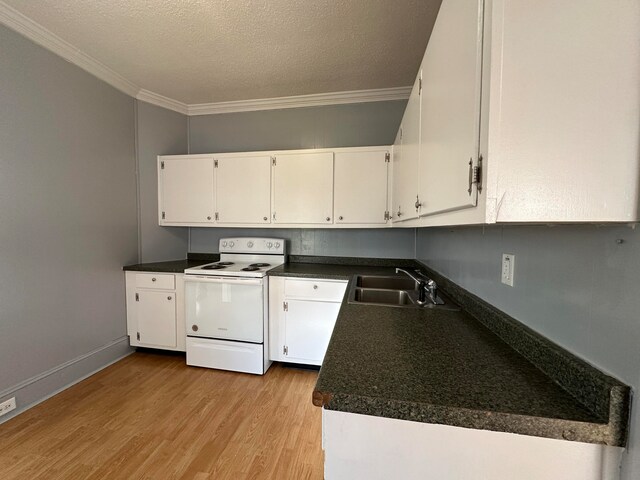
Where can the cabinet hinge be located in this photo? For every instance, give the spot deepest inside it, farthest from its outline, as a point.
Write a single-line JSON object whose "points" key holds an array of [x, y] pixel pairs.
{"points": [[164, 215], [137, 299], [217, 216], [475, 175], [387, 215], [138, 336], [285, 306], [215, 164], [285, 350], [162, 165], [273, 161], [387, 157]]}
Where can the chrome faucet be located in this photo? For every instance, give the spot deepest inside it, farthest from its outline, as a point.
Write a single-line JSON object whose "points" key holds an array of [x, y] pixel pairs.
{"points": [[427, 288], [422, 285]]}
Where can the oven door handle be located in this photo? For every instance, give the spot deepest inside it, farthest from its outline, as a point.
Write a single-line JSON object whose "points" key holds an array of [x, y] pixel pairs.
{"points": [[228, 280]]}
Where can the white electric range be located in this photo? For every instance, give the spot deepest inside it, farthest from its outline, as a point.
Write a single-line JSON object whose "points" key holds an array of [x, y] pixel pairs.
{"points": [[226, 303]]}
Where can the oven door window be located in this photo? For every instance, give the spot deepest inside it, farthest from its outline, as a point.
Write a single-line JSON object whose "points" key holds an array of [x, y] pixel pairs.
{"points": [[231, 309]]}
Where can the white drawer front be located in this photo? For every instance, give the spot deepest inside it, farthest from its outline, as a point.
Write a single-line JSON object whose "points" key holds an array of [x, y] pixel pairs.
{"points": [[156, 280], [234, 356], [315, 290]]}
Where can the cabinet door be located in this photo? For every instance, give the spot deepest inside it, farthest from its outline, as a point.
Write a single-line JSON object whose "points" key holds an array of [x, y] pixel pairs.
{"points": [[303, 188], [405, 160], [243, 189], [156, 315], [360, 187], [451, 94], [186, 189], [308, 328]]}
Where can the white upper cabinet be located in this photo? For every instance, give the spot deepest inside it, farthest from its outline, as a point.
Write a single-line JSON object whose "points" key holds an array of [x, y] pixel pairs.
{"points": [[243, 189], [360, 187], [549, 98], [450, 123], [405, 160], [186, 189], [303, 188], [564, 129]]}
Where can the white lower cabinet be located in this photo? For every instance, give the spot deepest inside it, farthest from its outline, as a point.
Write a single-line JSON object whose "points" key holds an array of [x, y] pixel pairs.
{"points": [[363, 446], [155, 307], [302, 313]]}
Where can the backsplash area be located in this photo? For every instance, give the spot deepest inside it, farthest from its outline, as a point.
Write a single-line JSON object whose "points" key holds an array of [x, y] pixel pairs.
{"points": [[379, 243]]}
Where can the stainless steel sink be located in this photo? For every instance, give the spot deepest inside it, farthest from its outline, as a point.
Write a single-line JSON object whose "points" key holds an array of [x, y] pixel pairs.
{"points": [[384, 297], [398, 282], [391, 291]]}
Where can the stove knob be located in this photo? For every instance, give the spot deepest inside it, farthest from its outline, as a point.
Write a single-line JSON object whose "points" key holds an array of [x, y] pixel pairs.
{"points": [[231, 244], [224, 244], [277, 244], [249, 244]]}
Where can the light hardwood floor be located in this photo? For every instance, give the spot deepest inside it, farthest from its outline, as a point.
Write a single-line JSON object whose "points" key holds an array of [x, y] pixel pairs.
{"points": [[150, 416]]}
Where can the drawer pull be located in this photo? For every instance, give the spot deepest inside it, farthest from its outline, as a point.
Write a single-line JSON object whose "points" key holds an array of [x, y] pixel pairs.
{"points": [[315, 287], [153, 279], [168, 298]]}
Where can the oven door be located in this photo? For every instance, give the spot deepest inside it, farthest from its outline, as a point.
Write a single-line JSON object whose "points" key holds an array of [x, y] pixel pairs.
{"points": [[225, 308]]}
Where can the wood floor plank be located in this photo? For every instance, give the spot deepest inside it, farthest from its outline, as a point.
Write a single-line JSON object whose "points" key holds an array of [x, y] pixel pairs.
{"points": [[150, 416]]}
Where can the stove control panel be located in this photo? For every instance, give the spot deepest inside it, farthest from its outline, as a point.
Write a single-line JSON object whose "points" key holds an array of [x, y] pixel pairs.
{"points": [[255, 245]]}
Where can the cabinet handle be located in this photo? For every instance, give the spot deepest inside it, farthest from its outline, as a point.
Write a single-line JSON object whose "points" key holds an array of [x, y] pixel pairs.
{"points": [[328, 218], [208, 218], [264, 218], [340, 217], [153, 279], [194, 328], [168, 298], [315, 287], [399, 214], [418, 204], [470, 176]]}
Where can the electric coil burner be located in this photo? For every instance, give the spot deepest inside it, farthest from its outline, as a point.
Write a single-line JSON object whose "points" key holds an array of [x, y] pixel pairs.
{"points": [[226, 306]]}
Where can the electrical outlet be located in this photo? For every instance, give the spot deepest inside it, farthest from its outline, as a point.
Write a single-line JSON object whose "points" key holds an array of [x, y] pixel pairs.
{"points": [[7, 406], [508, 265]]}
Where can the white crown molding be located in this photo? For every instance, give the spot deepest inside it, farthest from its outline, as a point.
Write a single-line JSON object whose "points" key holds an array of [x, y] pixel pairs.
{"points": [[162, 101], [314, 100], [40, 35], [35, 32]]}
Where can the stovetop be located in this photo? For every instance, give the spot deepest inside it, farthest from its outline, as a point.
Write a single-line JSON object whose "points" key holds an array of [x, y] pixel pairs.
{"points": [[247, 268], [244, 257]]}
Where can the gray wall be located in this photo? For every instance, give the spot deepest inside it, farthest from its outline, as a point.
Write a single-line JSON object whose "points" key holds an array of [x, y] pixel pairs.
{"points": [[380, 243], [159, 132], [354, 125], [577, 285], [68, 220]]}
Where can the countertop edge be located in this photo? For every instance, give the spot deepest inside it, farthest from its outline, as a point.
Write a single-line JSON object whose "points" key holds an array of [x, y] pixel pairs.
{"points": [[543, 427]]}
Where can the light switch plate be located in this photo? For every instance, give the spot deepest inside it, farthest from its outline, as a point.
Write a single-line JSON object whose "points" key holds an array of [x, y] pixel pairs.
{"points": [[508, 266]]}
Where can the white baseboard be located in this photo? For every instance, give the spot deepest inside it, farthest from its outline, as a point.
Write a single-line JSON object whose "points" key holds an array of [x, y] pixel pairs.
{"points": [[45, 385]]}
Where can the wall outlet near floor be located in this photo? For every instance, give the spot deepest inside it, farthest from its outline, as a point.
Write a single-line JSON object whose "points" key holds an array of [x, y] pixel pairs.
{"points": [[508, 265], [7, 406]]}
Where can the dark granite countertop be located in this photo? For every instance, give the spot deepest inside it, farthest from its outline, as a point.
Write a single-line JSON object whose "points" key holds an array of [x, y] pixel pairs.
{"points": [[337, 268], [473, 368], [174, 266]]}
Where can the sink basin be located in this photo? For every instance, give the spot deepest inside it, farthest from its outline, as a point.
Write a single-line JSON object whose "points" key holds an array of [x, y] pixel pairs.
{"points": [[384, 297], [398, 282], [392, 291]]}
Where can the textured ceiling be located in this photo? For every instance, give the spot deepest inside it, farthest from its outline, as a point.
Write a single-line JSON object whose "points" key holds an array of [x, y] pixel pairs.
{"points": [[198, 51]]}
